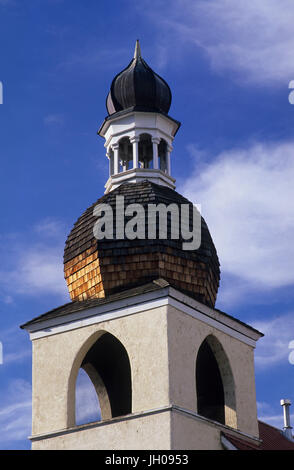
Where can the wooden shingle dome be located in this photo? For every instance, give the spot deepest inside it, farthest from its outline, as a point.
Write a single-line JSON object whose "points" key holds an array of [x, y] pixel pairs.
{"points": [[96, 268]]}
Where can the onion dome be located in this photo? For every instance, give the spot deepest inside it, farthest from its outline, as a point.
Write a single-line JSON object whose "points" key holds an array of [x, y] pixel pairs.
{"points": [[138, 88], [97, 268]]}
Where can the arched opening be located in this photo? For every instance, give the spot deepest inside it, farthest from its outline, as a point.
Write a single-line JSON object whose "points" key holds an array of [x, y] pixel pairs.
{"points": [[215, 383], [87, 401], [125, 154], [145, 150], [107, 365], [162, 155], [210, 391]]}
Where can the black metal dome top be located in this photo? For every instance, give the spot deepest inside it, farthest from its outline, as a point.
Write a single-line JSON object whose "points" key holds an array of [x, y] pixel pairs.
{"points": [[138, 87]]}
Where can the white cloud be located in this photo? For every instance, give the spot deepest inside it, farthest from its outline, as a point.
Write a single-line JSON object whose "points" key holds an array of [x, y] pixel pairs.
{"points": [[17, 356], [36, 271], [15, 413], [16, 347], [39, 270], [34, 265], [273, 348], [268, 414], [246, 197], [54, 119], [49, 227], [7, 299], [253, 39], [234, 290]]}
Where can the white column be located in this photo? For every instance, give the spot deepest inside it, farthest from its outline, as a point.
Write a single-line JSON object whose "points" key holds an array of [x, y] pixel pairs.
{"points": [[168, 165], [155, 142], [134, 141], [115, 148], [108, 155], [109, 163]]}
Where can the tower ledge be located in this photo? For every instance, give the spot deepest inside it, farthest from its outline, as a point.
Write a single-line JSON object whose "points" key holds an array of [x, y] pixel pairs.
{"points": [[137, 175]]}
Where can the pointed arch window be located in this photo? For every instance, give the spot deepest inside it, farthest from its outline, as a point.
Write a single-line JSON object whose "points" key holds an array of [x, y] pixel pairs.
{"points": [[106, 369], [215, 383]]}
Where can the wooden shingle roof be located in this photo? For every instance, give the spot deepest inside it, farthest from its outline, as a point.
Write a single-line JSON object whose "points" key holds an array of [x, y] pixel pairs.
{"points": [[94, 268]]}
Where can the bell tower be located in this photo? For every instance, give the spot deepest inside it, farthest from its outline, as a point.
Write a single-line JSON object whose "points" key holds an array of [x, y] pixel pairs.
{"points": [[170, 370], [138, 131]]}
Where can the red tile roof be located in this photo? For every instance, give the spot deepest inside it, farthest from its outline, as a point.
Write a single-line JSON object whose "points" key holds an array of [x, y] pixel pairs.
{"points": [[271, 439], [241, 444]]}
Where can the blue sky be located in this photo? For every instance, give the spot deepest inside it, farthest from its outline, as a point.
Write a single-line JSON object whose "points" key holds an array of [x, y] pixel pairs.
{"points": [[229, 65]]}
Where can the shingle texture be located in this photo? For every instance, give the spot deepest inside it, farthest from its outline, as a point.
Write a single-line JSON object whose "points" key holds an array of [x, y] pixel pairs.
{"points": [[95, 268]]}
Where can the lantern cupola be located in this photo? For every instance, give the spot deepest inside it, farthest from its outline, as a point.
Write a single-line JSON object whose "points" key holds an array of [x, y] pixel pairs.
{"points": [[138, 131]]}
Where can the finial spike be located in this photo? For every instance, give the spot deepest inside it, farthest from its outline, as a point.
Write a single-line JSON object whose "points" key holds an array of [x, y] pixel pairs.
{"points": [[137, 53]]}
